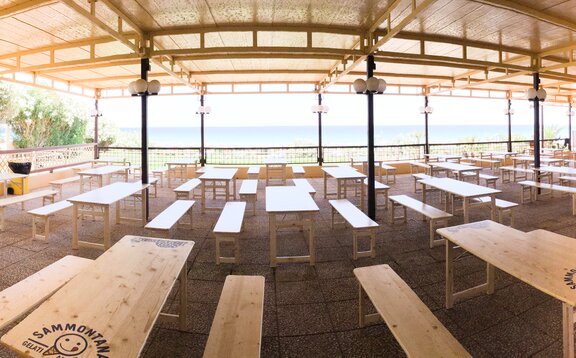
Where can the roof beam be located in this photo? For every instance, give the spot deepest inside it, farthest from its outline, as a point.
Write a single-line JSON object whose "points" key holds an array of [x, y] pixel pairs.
{"points": [[529, 11], [87, 65], [24, 6], [191, 52], [189, 30]]}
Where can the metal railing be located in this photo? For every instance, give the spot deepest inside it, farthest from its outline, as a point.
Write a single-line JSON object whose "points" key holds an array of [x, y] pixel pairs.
{"points": [[48, 158]]}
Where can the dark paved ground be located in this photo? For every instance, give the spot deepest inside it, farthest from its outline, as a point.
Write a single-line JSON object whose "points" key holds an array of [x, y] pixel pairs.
{"points": [[311, 311]]}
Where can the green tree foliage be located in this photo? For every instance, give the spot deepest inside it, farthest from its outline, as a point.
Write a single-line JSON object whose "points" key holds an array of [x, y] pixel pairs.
{"points": [[46, 119], [7, 103]]}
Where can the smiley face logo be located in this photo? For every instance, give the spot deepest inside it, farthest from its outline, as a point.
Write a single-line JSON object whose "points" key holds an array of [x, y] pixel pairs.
{"points": [[70, 345]]}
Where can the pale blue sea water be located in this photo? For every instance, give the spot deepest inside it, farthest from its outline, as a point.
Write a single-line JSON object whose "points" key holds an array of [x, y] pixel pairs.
{"points": [[331, 135]]}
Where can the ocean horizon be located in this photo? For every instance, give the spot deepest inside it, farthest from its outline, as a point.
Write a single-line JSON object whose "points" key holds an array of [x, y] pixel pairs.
{"points": [[278, 136]]}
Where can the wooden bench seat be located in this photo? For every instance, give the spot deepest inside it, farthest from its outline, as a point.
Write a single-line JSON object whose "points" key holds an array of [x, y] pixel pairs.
{"points": [[388, 170], [419, 176], [362, 225], [253, 172], [298, 171], [165, 222], [415, 327], [531, 186], [47, 194], [184, 190], [436, 216], [305, 185], [237, 326], [43, 214], [228, 229], [502, 206], [21, 297], [380, 188], [58, 184], [249, 192]]}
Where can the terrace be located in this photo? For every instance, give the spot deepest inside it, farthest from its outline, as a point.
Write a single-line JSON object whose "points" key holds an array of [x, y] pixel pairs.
{"points": [[427, 49]]}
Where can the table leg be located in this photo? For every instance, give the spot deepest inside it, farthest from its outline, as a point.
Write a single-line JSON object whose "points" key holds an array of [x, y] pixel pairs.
{"points": [[325, 186], [362, 195], [203, 196], [423, 192], [311, 239], [183, 296], [227, 190], [117, 218], [339, 188], [273, 243], [490, 278], [107, 226], [169, 176], [567, 330], [81, 183], [493, 207], [143, 206], [267, 174], [449, 274], [100, 181], [478, 177], [75, 226], [465, 208], [234, 192]]}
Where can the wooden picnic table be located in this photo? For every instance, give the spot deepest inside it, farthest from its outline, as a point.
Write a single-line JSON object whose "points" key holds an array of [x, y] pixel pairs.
{"points": [[102, 199], [444, 157], [467, 191], [364, 162], [457, 167], [345, 176], [180, 166], [557, 170], [541, 259], [109, 308], [218, 178], [289, 206], [6, 177], [276, 166], [525, 160], [110, 161], [494, 154], [102, 172]]}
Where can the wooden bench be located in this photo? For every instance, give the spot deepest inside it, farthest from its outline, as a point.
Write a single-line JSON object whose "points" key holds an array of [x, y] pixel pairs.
{"points": [[305, 185], [419, 176], [493, 164], [415, 327], [530, 186], [165, 222], [518, 173], [58, 184], [237, 327], [249, 192], [43, 214], [502, 206], [416, 167], [44, 194], [436, 216], [380, 188], [253, 172], [228, 229], [160, 173], [21, 297], [490, 180], [298, 171], [184, 190], [566, 180], [362, 226], [388, 169]]}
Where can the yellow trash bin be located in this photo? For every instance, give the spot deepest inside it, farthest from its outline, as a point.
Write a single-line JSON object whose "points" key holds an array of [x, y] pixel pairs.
{"points": [[17, 186]]}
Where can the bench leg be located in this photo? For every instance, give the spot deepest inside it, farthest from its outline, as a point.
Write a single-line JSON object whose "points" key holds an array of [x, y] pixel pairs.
{"points": [[183, 296], [567, 330], [433, 225], [450, 252], [217, 250]]}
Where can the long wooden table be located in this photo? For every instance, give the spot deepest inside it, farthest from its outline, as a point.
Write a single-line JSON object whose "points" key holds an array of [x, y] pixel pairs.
{"points": [[102, 172], [345, 177], [556, 170], [525, 160], [181, 166], [218, 178], [457, 167], [284, 201], [445, 157], [103, 198], [541, 259], [108, 309], [276, 166], [364, 162], [109, 161], [465, 190]]}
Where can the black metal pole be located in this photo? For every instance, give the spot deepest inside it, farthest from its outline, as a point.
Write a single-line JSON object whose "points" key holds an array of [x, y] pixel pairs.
{"points": [[144, 68], [542, 133], [202, 156], [96, 116], [371, 190], [320, 155], [509, 126], [426, 139], [536, 80], [570, 125]]}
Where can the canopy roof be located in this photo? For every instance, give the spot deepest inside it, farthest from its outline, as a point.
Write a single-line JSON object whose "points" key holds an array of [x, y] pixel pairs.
{"points": [[434, 46]]}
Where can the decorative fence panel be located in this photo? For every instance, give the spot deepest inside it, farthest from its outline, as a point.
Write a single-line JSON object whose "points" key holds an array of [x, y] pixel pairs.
{"points": [[48, 158]]}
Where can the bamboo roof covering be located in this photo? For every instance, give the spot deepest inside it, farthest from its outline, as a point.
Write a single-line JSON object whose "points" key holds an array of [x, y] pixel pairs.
{"points": [[93, 47]]}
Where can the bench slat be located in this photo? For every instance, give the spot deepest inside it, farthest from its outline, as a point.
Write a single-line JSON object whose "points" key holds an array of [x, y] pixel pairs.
{"points": [[51, 208], [20, 198], [377, 185], [304, 184], [298, 169], [230, 220], [248, 187], [237, 327], [254, 169], [422, 208], [561, 188], [65, 180], [355, 217], [170, 216], [23, 296], [188, 186], [414, 326]]}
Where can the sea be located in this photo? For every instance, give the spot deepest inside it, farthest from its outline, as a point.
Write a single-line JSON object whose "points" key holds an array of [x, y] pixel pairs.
{"points": [[279, 136]]}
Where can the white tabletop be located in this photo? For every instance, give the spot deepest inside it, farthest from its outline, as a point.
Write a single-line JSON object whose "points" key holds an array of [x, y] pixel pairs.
{"points": [[8, 176], [344, 172], [460, 188], [454, 166], [108, 194], [495, 152], [443, 156], [289, 199], [110, 159], [364, 159], [542, 159], [219, 174], [108, 169], [182, 161], [275, 161], [559, 170]]}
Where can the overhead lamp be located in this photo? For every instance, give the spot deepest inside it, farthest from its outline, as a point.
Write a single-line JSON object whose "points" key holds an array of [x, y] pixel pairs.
{"points": [[141, 87], [320, 108], [94, 112], [204, 110], [536, 95], [570, 113], [427, 110], [372, 85], [508, 111]]}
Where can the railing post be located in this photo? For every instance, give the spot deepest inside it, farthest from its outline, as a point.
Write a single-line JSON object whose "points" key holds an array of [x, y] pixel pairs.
{"points": [[509, 112]]}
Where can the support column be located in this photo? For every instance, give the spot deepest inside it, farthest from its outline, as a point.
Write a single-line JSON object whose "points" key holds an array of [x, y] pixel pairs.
{"points": [[202, 150], [509, 125], [144, 68], [426, 138], [371, 66], [320, 154], [536, 85], [542, 133], [570, 124], [96, 116]]}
